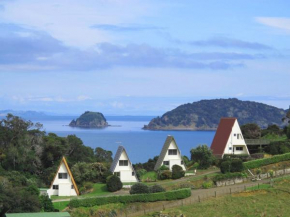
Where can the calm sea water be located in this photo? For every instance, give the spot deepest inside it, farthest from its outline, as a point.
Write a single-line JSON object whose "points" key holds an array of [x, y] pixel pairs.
{"points": [[126, 130]]}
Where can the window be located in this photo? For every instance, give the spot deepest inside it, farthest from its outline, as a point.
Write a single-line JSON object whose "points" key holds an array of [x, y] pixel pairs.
{"points": [[166, 163], [230, 148], [72, 186], [133, 173], [62, 175], [117, 174], [238, 137], [235, 134], [181, 162], [172, 151], [239, 148], [123, 162], [55, 187]]}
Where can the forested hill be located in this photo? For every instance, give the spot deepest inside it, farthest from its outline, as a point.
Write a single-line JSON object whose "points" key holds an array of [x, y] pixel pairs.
{"points": [[206, 114], [90, 120]]}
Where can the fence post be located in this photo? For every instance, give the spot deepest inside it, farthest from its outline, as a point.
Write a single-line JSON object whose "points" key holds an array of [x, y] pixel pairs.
{"points": [[144, 211], [245, 187], [230, 191], [258, 185], [163, 207], [215, 193], [198, 198]]}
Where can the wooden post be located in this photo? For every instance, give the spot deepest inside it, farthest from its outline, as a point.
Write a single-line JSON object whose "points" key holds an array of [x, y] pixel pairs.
{"points": [[144, 211], [245, 187], [198, 198], [215, 193], [163, 207], [230, 191]]}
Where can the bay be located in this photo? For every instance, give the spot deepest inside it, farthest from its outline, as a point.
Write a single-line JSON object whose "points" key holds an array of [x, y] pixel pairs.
{"points": [[127, 131]]}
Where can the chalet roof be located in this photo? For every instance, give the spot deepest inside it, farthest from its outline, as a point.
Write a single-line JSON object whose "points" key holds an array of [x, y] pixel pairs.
{"points": [[117, 157], [222, 135], [166, 145], [63, 160]]}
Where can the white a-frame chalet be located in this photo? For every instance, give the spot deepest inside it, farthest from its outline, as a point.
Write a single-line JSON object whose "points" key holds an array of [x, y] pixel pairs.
{"points": [[228, 139], [63, 183], [122, 166], [170, 155]]}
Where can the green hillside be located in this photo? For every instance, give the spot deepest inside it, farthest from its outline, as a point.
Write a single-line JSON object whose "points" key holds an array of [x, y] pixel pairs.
{"points": [[90, 120]]}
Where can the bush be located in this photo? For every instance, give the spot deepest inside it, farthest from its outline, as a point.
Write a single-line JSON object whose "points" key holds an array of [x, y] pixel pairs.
{"points": [[207, 184], [88, 185], [288, 132], [232, 165], [163, 167], [278, 147], [161, 196], [177, 172], [114, 183], [140, 173], [139, 188], [105, 176], [156, 189], [266, 161], [46, 203], [165, 175]]}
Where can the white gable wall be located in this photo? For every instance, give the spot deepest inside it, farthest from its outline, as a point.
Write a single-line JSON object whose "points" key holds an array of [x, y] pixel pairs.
{"points": [[125, 171], [234, 141], [173, 159], [64, 185]]}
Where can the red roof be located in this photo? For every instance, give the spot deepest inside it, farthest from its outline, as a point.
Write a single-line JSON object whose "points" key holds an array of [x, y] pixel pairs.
{"points": [[222, 135]]}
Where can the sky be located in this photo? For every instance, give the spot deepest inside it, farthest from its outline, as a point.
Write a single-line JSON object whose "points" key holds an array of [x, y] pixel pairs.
{"points": [[141, 57]]}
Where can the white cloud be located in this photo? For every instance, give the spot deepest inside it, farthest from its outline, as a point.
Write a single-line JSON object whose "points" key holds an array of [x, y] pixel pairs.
{"points": [[276, 22], [83, 97]]}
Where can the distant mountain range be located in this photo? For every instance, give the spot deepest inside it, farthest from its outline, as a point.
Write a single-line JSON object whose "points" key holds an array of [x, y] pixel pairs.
{"points": [[22, 113], [206, 114]]}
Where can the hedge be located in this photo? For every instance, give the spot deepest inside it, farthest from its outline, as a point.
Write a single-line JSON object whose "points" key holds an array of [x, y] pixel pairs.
{"points": [[265, 161], [97, 201]]}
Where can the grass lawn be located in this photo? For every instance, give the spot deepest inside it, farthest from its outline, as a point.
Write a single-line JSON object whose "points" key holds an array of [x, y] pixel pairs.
{"points": [[150, 176], [60, 205], [259, 187]]}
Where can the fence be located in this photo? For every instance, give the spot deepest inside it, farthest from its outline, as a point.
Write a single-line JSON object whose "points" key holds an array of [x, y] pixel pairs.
{"points": [[196, 197]]}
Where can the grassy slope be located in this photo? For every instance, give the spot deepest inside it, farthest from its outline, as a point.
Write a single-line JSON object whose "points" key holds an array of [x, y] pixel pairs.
{"points": [[264, 202]]}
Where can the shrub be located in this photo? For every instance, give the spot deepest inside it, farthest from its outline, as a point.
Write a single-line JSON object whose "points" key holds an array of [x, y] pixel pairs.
{"points": [[163, 167], [288, 132], [105, 176], [266, 161], [139, 188], [140, 173], [88, 185], [161, 196], [165, 175], [278, 147], [226, 176], [271, 172], [207, 184], [156, 188], [232, 165], [46, 203], [177, 172], [114, 183]]}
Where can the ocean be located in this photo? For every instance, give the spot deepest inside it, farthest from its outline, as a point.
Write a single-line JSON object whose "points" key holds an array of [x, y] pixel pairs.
{"points": [[127, 131]]}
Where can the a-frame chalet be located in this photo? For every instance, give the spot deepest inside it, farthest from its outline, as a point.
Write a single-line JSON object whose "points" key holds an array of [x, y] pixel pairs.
{"points": [[170, 155], [122, 166], [63, 183], [229, 139]]}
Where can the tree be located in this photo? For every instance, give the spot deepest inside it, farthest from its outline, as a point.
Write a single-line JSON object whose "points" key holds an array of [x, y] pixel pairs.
{"points": [[286, 119], [251, 131], [46, 203], [203, 155], [102, 155]]}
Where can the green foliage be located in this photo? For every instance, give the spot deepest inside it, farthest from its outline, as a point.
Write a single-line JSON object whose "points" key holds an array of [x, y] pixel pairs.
{"points": [[251, 131], [90, 120], [148, 166], [46, 203], [203, 155], [177, 172], [163, 167], [114, 183], [232, 165], [152, 197], [288, 132], [207, 184], [266, 161], [164, 174], [271, 172], [102, 155], [278, 147], [156, 188], [140, 173], [272, 130], [139, 188], [227, 176]]}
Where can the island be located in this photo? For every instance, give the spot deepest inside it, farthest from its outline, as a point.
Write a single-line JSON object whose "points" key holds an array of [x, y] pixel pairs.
{"points": [[206, 114], [90, 120]]}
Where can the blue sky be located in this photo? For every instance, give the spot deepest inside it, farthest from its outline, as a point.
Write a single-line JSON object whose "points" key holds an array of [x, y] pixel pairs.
{"points": [[141, 57]]}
